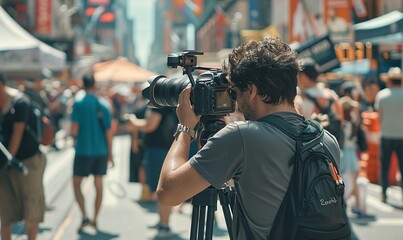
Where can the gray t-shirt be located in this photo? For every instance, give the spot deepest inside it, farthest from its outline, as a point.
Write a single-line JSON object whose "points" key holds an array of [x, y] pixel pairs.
{"points": [[255, 154], [389, 102]]}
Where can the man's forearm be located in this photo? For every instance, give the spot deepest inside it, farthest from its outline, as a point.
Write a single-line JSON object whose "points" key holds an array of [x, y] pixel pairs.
{"points": [[176, 157], [109, 141], [139, 124], [16, 138], [178, 153]]}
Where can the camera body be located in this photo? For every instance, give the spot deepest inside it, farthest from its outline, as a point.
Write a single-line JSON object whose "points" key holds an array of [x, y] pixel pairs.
{"points": [[210, 96], [209, 92], [184, 59]]}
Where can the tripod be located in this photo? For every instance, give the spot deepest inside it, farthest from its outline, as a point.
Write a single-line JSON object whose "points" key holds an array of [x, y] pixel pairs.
{"points": [[205, 202], [204, 206]]}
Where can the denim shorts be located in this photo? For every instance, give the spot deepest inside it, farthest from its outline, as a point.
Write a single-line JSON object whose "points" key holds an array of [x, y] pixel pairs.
{"points": [[152, 162]]}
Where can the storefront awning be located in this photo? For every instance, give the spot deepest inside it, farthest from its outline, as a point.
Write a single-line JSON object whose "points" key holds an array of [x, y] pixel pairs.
{"points": [[121, 70]]}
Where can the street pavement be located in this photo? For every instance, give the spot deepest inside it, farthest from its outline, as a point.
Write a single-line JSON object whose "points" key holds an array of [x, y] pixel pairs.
{"points": [[122, 216]]}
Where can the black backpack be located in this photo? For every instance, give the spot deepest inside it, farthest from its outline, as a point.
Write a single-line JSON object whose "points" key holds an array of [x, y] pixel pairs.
{"points": [[39, 125], [328, 119], [313, 206]]}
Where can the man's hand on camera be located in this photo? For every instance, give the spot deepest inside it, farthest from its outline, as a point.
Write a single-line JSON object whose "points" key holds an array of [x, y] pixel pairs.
{"points": [[185, 111]]}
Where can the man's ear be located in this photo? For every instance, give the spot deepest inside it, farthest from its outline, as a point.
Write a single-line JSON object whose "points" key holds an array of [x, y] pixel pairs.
{"points": [[252, 91]]}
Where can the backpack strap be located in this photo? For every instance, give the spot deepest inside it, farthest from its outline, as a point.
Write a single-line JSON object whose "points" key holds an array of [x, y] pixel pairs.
{"points": [[311, 130], [281, 124], [245, 223], [27, 128], [323, 110], [100, 115]]}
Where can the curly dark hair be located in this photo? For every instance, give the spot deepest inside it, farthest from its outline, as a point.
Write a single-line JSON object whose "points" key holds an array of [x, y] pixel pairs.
{"points": [[270, 64]]}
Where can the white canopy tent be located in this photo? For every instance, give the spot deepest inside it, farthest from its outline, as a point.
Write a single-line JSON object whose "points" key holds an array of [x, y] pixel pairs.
{"points": [[23, 55]]}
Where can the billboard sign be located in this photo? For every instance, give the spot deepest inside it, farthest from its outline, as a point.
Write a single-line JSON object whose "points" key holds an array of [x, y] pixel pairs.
{"points": [[43, 19], [322, 51]]}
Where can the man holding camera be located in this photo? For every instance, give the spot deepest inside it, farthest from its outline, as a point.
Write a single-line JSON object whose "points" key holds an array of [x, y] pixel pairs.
{"points": [[263, 81]]}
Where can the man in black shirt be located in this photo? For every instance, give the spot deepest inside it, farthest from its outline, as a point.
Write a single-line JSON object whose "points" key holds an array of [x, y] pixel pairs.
{"points": [[158, 126], [22, 197]]}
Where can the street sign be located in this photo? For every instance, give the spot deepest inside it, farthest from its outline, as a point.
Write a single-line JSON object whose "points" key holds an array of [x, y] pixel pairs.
{"points": [[322, 51]]}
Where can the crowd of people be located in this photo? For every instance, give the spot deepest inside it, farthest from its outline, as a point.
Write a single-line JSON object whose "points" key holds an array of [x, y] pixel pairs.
{"points": [[280, 85], [352, 101]]}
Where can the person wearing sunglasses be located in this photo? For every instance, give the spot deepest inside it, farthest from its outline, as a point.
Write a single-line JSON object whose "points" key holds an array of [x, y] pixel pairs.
{"points": [[263, 81]]}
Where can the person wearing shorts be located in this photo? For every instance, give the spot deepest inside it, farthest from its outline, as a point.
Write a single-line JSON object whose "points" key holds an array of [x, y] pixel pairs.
{"points": [[22, 196], [91, 127]]}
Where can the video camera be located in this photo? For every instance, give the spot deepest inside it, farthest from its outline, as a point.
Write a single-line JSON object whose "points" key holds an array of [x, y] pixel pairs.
{"points": [[209, 92]]}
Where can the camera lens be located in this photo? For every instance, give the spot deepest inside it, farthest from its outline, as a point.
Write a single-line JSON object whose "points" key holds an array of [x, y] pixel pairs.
{"points": [[164, 92]]}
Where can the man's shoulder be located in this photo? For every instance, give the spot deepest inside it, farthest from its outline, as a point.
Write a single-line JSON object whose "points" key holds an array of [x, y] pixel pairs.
{"points": [[332, 144], [104, 102], [20, 98], [383, 93], [263, 128]]}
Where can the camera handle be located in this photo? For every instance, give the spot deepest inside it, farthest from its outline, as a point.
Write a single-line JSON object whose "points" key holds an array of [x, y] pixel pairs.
{"points": [[188, 71], [205, 202]]}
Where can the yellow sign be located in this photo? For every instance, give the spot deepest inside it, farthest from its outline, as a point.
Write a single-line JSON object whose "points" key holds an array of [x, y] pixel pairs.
{"points": [[351, 52], [251, 34]]}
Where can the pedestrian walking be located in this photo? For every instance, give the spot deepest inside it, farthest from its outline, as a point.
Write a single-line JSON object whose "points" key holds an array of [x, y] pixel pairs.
{"points": [[22, 197], [91, 128], [352, 153], [316, 101], [371, 87], [158, 126], [388, 103]]}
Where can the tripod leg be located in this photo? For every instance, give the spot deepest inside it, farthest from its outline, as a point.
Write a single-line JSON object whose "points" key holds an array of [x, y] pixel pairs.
{"points": [[204, 206], [202, 218], [228, 220], [226, 200], [195, 218], [210, 223]]}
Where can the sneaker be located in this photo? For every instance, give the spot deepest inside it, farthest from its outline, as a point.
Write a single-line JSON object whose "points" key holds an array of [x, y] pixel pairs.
{"points": [[355, 211], [164, 232], [86, 221], [365, 216], [155, 226]]}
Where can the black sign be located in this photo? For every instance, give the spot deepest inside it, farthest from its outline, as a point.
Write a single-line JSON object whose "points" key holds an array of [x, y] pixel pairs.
{"points": [[64, 45], [322, 51]]}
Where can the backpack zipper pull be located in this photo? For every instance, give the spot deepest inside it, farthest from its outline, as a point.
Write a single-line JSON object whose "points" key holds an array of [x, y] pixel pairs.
{"points": [[334, 173]]}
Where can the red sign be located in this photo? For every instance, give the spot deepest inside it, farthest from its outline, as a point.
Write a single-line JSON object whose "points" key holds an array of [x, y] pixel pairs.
{"points": [[98, 2], [43, 19]]}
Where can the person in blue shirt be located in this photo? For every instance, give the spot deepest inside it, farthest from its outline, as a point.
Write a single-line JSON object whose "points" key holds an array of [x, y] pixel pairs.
{"points": [[91, 127]]}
